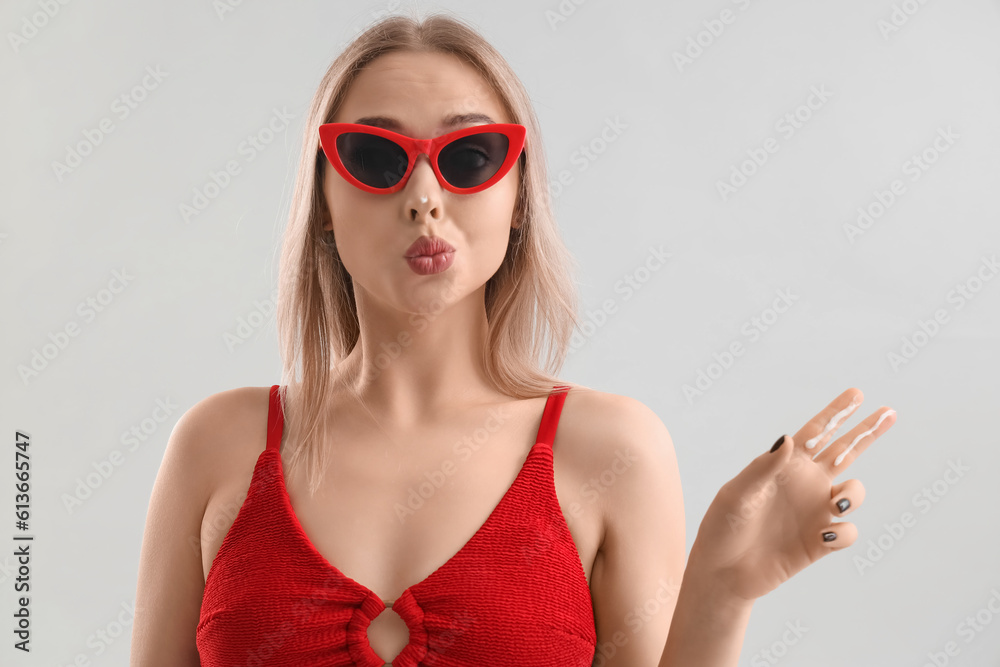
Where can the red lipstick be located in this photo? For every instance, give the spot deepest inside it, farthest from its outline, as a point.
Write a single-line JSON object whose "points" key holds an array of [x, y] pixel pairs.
{"points": [[429, 254]]}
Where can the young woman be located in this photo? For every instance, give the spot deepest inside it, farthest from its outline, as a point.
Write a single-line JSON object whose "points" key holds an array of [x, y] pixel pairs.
{"points": [[327, 520]]}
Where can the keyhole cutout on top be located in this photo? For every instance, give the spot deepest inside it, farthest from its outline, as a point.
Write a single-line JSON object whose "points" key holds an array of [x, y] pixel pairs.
{"points": [[388, 634]]}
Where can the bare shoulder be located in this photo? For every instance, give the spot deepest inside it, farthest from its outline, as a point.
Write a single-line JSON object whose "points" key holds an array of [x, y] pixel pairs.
{"points": [[216, 427], [212, 440], [603, 423], [226, 410], [622, 441]]}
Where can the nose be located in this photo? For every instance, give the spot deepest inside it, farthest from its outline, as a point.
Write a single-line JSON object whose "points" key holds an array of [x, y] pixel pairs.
{"points": [[423, 190], [422, 175]]}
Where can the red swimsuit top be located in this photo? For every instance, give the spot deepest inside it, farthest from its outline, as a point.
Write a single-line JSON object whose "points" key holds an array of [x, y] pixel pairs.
{"points": [[514, 595]]}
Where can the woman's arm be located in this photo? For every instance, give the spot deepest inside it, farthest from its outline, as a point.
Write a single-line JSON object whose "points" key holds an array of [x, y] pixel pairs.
{"points": [[640, 564], [171, 580], [772, 520], [776, 517], [649, 609], [709, 624]]}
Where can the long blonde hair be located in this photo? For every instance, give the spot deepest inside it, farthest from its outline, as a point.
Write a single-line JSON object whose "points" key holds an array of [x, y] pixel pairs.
{"points": [[317, 317]]}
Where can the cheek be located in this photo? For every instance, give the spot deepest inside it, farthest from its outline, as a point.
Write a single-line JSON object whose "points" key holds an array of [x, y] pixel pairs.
{"points": [[489, 232], [363, 243], [355, 240]]}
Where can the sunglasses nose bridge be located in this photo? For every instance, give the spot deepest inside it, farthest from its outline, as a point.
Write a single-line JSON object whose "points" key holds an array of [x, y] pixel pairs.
{"points": [[422, 151], [423, 147]]}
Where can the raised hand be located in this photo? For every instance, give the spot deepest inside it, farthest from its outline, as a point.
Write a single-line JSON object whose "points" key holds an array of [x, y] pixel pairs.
{"points": [[777, 515]]}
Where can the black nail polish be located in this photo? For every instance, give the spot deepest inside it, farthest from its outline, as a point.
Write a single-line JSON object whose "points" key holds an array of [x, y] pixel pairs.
{"points": [[829, 537], [843, 504], [777, 444]]}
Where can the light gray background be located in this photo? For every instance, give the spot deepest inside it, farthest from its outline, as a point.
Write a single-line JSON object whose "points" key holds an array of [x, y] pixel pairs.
{"points": [[163, 336]]}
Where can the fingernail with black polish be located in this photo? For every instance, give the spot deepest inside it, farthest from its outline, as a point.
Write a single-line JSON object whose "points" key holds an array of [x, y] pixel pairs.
{"points": [[829, 537], [777, 444], [843, 504]]}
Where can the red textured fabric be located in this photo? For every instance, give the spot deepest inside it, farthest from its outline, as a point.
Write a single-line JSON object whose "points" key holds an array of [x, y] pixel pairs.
{"points": [[514, 595]]}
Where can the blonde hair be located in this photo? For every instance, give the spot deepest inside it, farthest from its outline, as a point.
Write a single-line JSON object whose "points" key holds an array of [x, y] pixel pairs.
{"points": [[317, 317]]}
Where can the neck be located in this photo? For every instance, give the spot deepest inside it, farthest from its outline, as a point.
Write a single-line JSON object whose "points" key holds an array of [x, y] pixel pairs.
{"points": [[409, 366]]}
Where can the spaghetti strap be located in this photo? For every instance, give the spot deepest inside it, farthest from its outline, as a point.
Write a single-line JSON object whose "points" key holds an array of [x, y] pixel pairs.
{"points": [[275, 419], [550, 417]]}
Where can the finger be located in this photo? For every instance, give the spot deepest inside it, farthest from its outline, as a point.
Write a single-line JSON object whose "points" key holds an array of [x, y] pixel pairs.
{"points": [[766, 465], [818, 431], [778, 456], [844, 534], [846, 497], [841, 454]]}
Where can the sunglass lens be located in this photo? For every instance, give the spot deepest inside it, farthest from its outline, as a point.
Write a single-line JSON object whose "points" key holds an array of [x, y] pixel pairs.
{"points": [[375, 161], [474, 159]]}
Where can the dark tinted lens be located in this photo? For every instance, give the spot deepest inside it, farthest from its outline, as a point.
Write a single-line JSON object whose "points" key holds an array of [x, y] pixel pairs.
{"points": [[373, 160], [473, 160]]}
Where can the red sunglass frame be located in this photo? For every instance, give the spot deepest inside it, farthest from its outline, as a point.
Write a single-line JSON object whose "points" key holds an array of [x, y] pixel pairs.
{"points": [[328, 133]]}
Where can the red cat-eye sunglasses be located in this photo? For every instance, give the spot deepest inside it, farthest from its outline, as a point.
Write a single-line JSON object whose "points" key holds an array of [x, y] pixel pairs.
{"points": [[380, 161]]}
